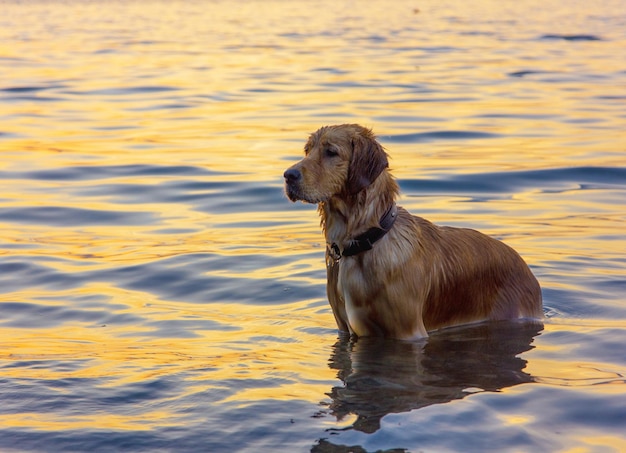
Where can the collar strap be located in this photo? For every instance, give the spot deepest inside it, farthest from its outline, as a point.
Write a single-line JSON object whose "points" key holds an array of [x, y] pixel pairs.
{"points": [[365, 241]]}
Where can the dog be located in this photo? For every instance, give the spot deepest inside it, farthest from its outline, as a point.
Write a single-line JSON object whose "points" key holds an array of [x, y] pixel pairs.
{"points": [[389, 273]]}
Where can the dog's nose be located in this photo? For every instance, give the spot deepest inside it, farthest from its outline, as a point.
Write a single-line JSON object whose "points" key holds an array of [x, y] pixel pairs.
{"points": [[292, 175]]}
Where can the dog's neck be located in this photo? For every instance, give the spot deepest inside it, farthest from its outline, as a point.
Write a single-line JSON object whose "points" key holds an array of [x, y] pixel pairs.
{"points": [[344, 217]]}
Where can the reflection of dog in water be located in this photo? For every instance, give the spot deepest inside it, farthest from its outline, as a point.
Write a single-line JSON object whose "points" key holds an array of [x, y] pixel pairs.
{"points": [[383, 376], [392, 274]]}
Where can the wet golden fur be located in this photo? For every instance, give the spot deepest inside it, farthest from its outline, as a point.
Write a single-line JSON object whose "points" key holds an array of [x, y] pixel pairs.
{"points": [[419, 277]]}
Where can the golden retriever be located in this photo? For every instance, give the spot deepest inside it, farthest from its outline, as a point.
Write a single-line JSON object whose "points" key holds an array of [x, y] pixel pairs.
{"points": [[390, 273]]}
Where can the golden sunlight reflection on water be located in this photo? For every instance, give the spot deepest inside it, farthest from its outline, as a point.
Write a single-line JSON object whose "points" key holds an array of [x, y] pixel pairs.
{"points": [[155, 276]]}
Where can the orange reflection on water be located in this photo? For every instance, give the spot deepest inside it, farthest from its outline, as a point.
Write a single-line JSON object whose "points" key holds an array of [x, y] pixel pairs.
{"points": [[214, 102], [116, 356]]}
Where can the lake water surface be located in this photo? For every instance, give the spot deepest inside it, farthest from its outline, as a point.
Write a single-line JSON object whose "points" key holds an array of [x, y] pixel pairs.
{"points": [[160, 293]]}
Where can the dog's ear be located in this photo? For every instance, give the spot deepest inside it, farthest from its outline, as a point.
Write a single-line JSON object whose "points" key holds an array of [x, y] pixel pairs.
{"points": [[369, 159]]}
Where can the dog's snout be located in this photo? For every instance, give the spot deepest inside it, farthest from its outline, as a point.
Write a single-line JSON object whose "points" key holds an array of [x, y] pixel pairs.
{"points": [[292, 175]]}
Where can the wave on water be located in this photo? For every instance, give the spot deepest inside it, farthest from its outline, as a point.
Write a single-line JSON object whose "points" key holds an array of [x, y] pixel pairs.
{"points": [[91, 172], [515, 181], [581, 37], [65, 216], [420, 137]]}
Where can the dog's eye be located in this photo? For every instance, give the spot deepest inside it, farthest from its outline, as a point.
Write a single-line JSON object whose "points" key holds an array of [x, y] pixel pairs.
{"points": [[331, 152]]}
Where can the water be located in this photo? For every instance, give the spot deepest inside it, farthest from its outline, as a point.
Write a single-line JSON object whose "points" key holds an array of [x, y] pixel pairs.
{"points": [[159, 292]]}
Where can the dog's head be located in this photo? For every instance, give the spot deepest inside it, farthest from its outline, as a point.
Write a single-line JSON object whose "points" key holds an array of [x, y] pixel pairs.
{"points": [[339, 161]]}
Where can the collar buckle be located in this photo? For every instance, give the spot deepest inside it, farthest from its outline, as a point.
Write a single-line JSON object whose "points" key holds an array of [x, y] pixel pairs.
{"points": [[334, 252]]}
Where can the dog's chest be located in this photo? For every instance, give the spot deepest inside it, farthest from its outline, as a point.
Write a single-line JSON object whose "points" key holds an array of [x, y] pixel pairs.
{"points": [[356, 291]]}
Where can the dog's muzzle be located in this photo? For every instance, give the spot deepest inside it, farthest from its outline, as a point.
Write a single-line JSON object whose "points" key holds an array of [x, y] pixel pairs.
{"points": [[293, 177]]}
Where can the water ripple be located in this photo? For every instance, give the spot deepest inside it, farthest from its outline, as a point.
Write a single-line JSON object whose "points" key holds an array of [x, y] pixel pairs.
{"points": [[91, 172], [31, 315], [65, 217], [124, 91], [581, 37], [421, 137], [515, 181], [191, 278]]}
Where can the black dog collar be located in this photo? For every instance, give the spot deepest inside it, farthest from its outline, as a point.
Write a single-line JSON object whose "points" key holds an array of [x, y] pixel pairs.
{"points": [[365, 241]]}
